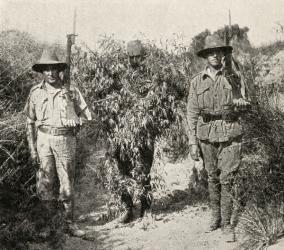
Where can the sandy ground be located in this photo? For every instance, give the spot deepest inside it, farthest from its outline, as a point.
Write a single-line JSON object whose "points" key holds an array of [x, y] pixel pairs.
{"points": [[180, 225]]}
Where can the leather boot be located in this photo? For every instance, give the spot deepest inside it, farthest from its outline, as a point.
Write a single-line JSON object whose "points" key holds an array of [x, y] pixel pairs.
{"points": [[48, 209], [226, 204], [229, 233], [214, 192], [71, 227]]}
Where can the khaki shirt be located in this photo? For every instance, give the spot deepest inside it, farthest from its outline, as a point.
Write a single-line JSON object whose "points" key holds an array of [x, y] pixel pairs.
{"points": [[213, 97], [52, 107]]}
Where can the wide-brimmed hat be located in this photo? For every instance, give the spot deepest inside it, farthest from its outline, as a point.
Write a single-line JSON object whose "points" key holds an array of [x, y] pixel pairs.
{"points": [[135, 48], [214, 42], [47, 58]]}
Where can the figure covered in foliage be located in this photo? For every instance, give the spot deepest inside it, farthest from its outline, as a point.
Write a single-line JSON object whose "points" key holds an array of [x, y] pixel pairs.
{"points": [[215, 102], [139, 167], [137, 96], [54, 111]]}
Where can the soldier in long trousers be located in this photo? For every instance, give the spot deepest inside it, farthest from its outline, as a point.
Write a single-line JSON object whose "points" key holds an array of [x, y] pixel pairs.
{"points": [[54, 113], [139, 171], [213, 113]]}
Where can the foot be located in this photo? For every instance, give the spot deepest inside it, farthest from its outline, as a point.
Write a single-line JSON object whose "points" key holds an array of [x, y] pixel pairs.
{"points": [[229, 233], [74, 230], [126, 217], [215, 223]]}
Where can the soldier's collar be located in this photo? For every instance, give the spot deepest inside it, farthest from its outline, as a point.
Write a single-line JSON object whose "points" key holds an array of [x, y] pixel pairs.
{"points": [[205, 74]]}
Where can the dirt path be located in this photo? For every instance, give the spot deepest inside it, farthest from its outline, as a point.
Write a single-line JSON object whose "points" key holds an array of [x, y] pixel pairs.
{"points": [[179, 230], [180, 225]]}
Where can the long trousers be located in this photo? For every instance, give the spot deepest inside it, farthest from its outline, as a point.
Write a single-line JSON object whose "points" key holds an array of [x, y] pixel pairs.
{"points": [[57, 162], [221, 161]]}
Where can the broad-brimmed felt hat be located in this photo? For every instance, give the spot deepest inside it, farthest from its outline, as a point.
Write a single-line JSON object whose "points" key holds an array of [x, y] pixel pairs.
{"points": [[47, 58], [214, 42], [135, 48]]}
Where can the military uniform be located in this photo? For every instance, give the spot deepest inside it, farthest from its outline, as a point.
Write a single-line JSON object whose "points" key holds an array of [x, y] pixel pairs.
{"points": [[214, 125], [49, 109], [53, 117]]}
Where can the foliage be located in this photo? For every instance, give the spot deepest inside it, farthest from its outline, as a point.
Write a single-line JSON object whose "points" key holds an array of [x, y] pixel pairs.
{"points": [[259, 182], [133, 108], [19, 209], [17, 52]]}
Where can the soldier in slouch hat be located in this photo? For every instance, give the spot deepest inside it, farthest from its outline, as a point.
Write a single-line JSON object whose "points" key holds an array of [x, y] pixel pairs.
{"points": [[54, 112], [214, 106]]}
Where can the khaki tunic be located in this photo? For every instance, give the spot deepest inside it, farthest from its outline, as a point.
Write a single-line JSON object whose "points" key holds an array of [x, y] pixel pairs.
{"points": [[50, 107], [214, 97]]}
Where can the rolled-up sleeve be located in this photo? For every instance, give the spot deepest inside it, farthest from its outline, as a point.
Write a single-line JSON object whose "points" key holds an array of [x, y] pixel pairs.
{"points": [[192, 112]]}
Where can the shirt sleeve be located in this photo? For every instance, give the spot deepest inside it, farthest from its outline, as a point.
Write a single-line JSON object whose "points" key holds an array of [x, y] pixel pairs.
{"points": [[192, 113], [81, 107], [29, 109]]}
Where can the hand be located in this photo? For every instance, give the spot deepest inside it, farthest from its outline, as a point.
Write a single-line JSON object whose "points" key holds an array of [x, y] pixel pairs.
{"points": [[34, 157], [241, 103], [70, 123], [194, 152]]}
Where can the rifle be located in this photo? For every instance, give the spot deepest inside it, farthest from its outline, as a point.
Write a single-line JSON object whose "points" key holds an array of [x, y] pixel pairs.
{"points": [[70, 42], [231, 64]]}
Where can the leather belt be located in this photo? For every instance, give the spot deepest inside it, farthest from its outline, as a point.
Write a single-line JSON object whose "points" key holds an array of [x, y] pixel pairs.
{"points": [[230, 117], [56, 131]]}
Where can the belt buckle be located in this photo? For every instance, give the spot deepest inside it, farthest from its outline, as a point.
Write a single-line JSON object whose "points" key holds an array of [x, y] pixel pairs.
{"points": [[206, 118], [54, 131]]}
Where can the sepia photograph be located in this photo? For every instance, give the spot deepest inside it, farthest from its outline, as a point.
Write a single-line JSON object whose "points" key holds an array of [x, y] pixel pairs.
{"points": [[141, 125]]}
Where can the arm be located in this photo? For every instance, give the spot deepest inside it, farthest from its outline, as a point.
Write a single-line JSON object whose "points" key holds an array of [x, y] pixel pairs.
{"points": [[31, 137], [192, 117], [192, 113], [31, 129]]}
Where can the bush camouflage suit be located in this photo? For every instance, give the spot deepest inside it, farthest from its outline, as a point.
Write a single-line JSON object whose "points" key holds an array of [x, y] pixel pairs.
{"points": [[140, 170]]}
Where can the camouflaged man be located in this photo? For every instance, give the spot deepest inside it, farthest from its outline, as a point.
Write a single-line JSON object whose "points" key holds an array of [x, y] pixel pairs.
{"points": [[54, 112], [214, 106], [136, 56]]}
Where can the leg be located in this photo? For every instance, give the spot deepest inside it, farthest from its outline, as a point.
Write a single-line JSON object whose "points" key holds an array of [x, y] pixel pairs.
{"points": [[210, 152], [124, 166], [46, 174], [147, 157], [64, 148], [229, 161]]}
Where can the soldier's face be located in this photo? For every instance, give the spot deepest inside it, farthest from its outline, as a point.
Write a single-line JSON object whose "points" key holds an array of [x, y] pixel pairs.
{"points": [[135, 61], [51, 74], [214, 58]]}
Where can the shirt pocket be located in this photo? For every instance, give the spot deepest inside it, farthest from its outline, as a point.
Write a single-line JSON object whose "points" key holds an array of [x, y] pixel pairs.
{"points": [[203, 96], [41, 108]]}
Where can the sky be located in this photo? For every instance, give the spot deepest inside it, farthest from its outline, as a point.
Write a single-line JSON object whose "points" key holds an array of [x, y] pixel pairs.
{"points": [[51, 20]]}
